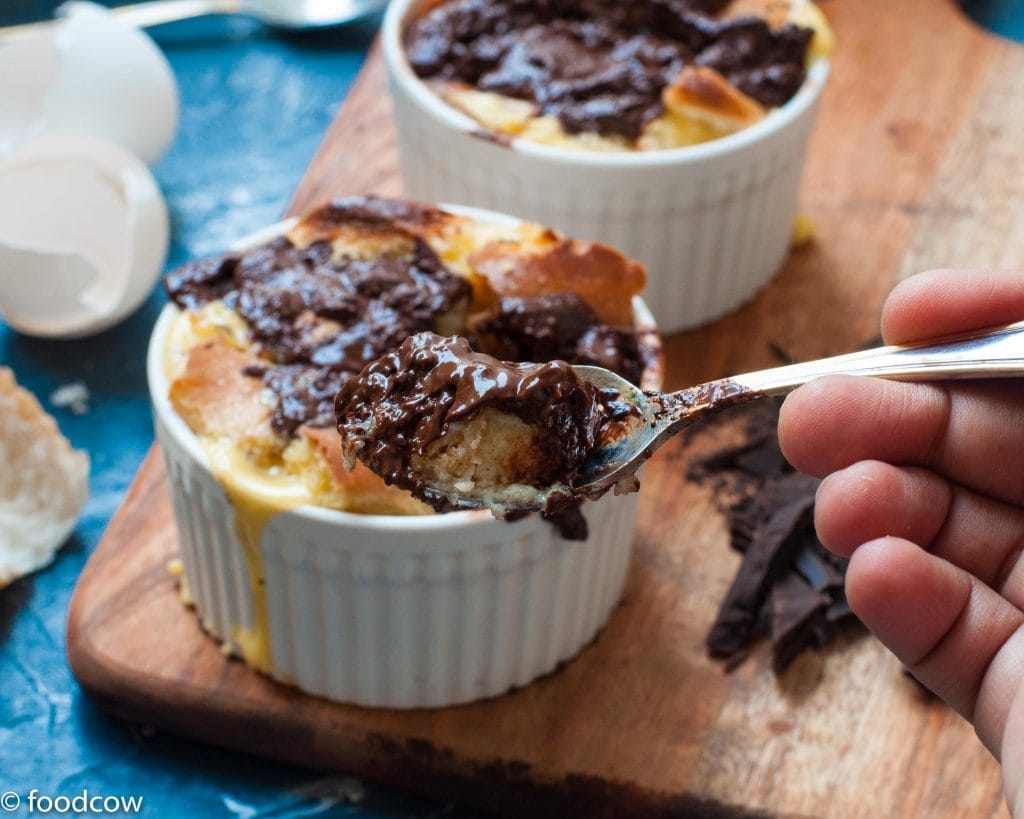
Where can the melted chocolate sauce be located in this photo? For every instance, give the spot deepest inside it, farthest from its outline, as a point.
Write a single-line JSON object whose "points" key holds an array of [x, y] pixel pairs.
{"points": [[406, 400], [322, 319], [600, 65], [563, 327], [319, 320]]}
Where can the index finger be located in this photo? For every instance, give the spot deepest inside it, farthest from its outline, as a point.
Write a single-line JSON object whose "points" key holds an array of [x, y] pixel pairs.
{"points": [[945, 302]]}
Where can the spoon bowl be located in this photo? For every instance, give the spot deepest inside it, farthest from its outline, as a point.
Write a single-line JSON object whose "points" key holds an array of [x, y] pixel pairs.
{"points": [[652, 419], [303, 14]]}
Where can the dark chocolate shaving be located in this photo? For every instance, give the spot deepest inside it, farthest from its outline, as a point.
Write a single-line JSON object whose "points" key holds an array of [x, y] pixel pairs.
{"points": [[788, 586]]}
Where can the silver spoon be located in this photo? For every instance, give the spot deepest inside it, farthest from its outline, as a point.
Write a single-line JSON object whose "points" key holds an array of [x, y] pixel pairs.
{"points": [[291, 14], [993, 353], [653, 418]]}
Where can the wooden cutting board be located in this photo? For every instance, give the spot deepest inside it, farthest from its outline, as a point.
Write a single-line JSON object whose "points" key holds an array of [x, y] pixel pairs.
{"points": [[914, 164]]}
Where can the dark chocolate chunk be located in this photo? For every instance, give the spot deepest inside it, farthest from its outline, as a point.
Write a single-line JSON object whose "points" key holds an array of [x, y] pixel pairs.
{"points": [[764, 560], [796, 613], [788, 585], [561, 326], [819, 573], [541, 328], [202, 281]]}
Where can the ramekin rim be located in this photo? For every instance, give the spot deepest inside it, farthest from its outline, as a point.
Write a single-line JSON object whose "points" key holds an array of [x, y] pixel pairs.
{"points": [[175, 425], [395, 58]]}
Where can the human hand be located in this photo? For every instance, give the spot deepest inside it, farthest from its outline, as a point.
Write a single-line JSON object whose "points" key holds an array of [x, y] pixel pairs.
{"points": [[925, 492]]}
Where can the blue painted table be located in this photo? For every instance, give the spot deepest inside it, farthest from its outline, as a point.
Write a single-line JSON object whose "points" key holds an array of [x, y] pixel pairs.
{"points": [[255, 105]]}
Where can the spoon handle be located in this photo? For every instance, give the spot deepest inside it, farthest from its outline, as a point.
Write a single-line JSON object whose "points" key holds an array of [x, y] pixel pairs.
{"points": [[992, 353], [155, 12], [139, 15]]}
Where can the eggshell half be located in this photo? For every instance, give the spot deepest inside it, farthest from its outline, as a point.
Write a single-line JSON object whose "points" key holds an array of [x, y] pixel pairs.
{"points": [[83, 235], [89, 72]]}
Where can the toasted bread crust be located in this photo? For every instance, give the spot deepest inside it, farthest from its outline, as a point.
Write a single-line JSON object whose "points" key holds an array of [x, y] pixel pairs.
{"points": [[601, 276], [215, 398], [705, 95]]}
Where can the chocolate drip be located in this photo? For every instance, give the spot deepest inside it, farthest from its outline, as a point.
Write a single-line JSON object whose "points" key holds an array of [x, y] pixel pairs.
{"points": [[600, 65]]}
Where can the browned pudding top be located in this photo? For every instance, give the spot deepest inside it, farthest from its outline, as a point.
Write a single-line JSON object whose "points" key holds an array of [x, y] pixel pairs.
{"points": [[601, 65], [317, 318], [561, 326], [320, 318]]}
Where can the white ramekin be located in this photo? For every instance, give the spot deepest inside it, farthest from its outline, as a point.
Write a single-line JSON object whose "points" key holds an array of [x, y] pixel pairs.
{"points": [[392, 611], [712, 222]]}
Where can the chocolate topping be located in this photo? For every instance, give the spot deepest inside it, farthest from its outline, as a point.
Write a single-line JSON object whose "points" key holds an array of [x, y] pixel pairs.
{"points": [[404, 401], [320, 319], [325, 318], [560, 326], [601, 65]]}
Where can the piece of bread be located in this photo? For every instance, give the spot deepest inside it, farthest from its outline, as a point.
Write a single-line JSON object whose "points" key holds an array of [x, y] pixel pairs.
{"points": [[702, 94], [216, 399], [545, 262], [43, 483]]}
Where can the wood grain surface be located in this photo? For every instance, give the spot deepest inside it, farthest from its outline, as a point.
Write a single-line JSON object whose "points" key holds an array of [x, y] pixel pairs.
{"points": [[913, 165]]}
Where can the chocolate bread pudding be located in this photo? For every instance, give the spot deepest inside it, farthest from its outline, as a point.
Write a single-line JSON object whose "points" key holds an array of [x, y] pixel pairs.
{"points": [[603, 75], [268, 337], [448, 423]]}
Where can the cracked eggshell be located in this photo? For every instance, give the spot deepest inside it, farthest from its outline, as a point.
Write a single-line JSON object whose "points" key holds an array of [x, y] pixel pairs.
{"points": [[89, 72], [83, 235]]}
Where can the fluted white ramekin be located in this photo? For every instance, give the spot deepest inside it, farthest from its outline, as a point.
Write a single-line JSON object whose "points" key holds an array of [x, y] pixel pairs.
{"points": [[712, 222], [394, 611]]}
